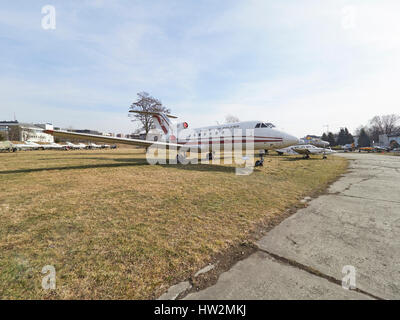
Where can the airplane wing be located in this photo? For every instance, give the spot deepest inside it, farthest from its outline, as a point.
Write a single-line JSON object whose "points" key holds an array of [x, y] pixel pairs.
{"points": [[288, 150], [302, 150], [135, 142]]}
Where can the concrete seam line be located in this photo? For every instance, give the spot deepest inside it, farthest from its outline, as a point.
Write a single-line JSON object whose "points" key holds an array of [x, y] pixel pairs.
{"points": [[315, 272], [350, 196]]}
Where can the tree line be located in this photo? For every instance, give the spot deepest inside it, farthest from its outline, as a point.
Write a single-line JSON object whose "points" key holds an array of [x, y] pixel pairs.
{"points": [[368, 134]]}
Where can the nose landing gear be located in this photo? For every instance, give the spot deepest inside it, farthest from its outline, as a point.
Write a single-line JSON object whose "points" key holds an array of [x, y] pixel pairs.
{"points": [[260, 163]]}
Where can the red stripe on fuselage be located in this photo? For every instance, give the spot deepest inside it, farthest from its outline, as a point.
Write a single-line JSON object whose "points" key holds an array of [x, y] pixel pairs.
{"points": [[222, 141]]}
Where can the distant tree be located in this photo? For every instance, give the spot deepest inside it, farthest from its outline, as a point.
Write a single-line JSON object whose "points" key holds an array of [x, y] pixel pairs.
{"points": [[324, 137], [341, 139], [231, 119], [363, 139], [357, 131], [385, 124], [14, 133], [348, 136], [331, 139], [2, 137], [145, 102]]}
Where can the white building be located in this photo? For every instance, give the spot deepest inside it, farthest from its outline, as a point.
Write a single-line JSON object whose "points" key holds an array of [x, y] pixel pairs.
{"points": [[386, 139], [35, 133], [26, 131]]}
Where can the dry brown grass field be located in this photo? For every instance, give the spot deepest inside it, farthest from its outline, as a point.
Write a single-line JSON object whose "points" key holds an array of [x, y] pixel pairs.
{"points": [[115, 227]]}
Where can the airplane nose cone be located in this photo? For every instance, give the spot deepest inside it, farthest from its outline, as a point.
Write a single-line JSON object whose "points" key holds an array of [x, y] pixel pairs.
{"points": [[294, 140], [287, 139], [291, 140]]}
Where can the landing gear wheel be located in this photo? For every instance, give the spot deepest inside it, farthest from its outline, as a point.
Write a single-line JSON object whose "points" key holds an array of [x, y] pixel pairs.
{"points": [[259, 163], [324, 157], [307, 156]]}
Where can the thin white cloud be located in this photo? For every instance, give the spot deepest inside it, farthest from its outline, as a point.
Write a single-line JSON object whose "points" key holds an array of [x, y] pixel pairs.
{"points": [[284, 62]]}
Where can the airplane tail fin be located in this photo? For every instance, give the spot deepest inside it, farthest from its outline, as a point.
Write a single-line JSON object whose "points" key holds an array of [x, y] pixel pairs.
{"points": [[161, 120]]}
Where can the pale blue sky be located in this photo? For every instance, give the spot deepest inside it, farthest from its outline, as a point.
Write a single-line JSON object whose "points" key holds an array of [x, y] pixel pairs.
{"points": [[298, 64]]}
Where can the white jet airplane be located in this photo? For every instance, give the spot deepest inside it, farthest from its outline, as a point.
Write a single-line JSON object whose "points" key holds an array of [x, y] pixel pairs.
{"points": [[306, 150], [206, 139], [23, 146], [28, 145], [35, 146], [54, 146], [94, 146], [7, 146], [314, 141], [51, 146], [74, 146]]}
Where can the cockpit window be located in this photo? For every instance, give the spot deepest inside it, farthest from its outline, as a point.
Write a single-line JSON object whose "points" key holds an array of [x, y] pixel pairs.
{"points": [[268, 125], [265, 125]]}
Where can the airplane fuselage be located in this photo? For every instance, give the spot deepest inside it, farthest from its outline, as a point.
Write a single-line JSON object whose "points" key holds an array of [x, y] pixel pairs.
{"points": [[260, 135]]}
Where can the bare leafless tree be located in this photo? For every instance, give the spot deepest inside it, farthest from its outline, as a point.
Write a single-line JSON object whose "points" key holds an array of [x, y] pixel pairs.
{"points": [[145, 102], [14, 133], [385, 124], [231, 119]]}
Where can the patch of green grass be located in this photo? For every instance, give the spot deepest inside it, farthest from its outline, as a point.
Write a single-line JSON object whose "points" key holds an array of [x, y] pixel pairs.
{"points": [[115, 227]]}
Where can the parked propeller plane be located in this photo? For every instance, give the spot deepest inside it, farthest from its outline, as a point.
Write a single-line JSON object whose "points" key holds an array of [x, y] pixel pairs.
{"points": [[306, 150]]}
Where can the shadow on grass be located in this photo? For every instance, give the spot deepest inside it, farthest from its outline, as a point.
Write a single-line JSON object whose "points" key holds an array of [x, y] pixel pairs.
{"points": [[301, 158], [124, 163], [88, 166], [74, 156], [190, 167]]}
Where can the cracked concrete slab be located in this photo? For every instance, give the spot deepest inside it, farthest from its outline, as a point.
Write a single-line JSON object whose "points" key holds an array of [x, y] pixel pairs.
{"points": [[337, 231], [261, 277], [358, 226], [174, 291], [357, 223]]}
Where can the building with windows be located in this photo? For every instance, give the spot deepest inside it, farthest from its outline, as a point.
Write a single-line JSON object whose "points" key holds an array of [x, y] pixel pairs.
{"points": [[5, 127], [16, 131]]}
